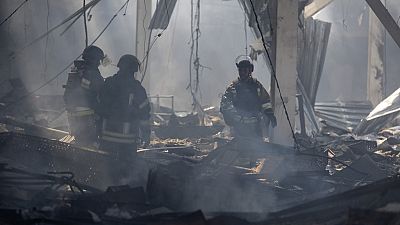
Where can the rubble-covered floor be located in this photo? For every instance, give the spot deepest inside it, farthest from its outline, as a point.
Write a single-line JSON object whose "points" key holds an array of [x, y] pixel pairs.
{"points": [[196, 174], [230, 181]]}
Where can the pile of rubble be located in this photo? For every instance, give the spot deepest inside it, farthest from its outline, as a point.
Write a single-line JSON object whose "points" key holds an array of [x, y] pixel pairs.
{"points": [[340, 175]]}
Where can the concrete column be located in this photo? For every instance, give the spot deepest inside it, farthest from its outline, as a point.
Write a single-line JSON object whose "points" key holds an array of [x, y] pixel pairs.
{"points": [[376, 60], [286, 68]]}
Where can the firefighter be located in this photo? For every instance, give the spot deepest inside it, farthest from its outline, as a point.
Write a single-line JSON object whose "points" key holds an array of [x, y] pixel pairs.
{"points": [[245, 102], [125, 111], [81, 96]]}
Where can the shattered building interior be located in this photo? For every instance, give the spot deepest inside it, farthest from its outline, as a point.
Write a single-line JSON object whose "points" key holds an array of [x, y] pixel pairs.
{"points": [[322, 145]]}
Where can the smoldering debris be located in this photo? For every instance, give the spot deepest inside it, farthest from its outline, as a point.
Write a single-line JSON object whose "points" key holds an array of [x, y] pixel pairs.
{"points": [[211, 172], [186, 168]]}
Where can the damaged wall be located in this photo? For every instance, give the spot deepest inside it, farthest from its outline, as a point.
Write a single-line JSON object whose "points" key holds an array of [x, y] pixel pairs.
{"points": [[347, 54]]}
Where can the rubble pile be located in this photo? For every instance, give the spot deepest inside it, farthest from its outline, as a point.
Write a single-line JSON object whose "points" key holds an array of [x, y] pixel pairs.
{"points": [[335, 176]]}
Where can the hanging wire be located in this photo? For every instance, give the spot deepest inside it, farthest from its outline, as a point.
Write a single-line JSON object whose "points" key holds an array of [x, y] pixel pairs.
{"points": [[194, 42], [68, 66], [147, 52], [150, 46], [47, 39], [245, 34], [74, 16], [85, 24], [273, 73], [191, 42], [146, 57], [172, 39], [8, 17], [197, 59], [126, 9]]}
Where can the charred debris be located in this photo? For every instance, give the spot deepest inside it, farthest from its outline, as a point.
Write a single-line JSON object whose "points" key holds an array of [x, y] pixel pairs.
{"points": [[342, 169], [335, 175]]}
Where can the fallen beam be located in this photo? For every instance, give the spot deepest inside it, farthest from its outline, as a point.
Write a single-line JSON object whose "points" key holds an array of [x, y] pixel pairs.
{"points": [[315, 6]]}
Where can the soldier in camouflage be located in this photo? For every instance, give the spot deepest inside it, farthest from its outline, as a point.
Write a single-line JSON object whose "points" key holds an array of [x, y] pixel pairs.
{"points": [[245, 103]]}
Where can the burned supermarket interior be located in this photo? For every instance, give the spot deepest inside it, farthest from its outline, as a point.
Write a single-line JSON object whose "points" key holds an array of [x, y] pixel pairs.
{"points": [[279, 112]]}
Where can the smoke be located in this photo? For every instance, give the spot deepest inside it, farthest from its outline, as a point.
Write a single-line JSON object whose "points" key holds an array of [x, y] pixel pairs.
{"points": [[345, 70], [222, 40]]}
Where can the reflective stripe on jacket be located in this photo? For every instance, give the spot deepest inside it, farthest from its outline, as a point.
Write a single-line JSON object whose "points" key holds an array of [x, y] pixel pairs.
{"points": [[119, 132]]}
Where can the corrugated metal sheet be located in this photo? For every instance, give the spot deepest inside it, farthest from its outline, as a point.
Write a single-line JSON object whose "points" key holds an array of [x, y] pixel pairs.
{"points": [[313, 45], [308, 108], [343, 115], [162, 15]]}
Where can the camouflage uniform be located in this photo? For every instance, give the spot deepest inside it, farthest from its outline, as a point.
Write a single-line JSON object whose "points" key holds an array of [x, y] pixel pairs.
{"points": [[243, 105]]}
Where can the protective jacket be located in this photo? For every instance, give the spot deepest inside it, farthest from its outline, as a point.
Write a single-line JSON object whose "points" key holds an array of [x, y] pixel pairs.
{"points": [[125, 111], [81, 100], [243, 104]]}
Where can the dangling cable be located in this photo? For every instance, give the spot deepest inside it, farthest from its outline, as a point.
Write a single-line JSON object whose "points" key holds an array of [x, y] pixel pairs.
{"points": [[68, 66], [47, 39], [245, 34], [274, 75], [8, 17], [84, 23]]}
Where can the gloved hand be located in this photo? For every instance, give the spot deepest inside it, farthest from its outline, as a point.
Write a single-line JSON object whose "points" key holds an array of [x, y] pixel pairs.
{"points": [[271, 117]]}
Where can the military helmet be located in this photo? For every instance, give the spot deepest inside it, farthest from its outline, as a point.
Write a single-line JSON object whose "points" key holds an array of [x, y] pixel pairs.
{"points": [[93, 53], [243, 61], [128, 62]]}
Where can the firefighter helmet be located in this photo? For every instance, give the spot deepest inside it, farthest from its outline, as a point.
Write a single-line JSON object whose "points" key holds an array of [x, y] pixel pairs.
{"points": [[93, 53], [128, 62], [243, 61]]}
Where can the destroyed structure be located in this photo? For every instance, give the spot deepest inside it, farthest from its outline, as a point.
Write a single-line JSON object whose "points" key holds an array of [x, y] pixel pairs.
{"points": [[338, 164]]}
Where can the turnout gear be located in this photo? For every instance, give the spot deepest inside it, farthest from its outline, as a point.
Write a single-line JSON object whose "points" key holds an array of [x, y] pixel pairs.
{"points": [[80, 97], [244, 104], [125, 112]]}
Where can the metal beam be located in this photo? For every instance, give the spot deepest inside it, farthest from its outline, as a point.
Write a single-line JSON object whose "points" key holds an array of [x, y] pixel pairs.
{"points": [[315, 6], [386, 19]]}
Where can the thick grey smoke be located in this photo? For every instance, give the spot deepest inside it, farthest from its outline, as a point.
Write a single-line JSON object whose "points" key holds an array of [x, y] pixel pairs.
{"points": [[222, 40]]}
